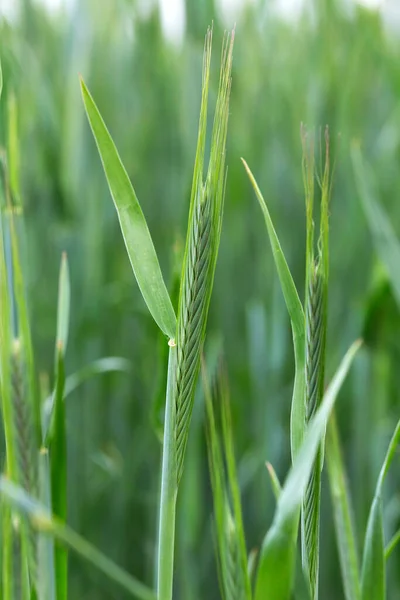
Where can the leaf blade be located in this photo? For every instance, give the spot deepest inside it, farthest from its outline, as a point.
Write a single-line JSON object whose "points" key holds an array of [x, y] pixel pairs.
{"points": [[297, 318], [277, 560], [135, 232], [344, 527]]}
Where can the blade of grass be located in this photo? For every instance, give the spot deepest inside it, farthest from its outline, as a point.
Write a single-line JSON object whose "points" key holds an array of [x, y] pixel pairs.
{"points": [[169, 490], [373, 572], [46, 567], [42, 521], [297, 319], [13, 149], [57, 440], [277, 561], [392, 544], [343, 517], [138, 242]]}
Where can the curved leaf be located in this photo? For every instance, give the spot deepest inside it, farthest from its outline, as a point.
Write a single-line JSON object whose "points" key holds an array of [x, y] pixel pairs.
{"points": [[296, 313], [277, 561], [138, 242]]}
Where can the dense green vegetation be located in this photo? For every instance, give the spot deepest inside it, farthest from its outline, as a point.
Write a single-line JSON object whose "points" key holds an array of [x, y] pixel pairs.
{"points": [[333, 67]]}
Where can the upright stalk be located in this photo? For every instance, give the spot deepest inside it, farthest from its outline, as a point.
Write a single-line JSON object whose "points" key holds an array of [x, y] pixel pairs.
{"points": [[201, 251], [169, 488]]}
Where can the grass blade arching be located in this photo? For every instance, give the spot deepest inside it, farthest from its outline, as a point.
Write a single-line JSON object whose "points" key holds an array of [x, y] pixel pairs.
{"points": [[138, 242], [297, 318]]}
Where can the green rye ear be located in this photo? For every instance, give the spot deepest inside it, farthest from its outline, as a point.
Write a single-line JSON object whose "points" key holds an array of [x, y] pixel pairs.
{"points": [[317, 273], [231, 548], [138, 242]]}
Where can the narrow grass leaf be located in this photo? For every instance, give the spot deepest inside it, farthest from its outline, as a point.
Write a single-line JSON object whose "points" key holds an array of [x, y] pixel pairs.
{"points": [[277, 561], [392, 544], [342, 513], [42, 520], [275, 483], [64, 295], [46, 567], [383, 235], [57, 444], [297, 318], [138, 242], [373, 573], [13, 150]]}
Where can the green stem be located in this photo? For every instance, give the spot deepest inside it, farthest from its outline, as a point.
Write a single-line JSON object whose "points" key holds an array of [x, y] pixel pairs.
{"points": [[169, 489]]}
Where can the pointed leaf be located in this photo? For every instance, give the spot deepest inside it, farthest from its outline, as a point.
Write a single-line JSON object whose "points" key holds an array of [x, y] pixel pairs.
{"points": [[296, 314], [138, 242], [277, 562], [64, 295]]}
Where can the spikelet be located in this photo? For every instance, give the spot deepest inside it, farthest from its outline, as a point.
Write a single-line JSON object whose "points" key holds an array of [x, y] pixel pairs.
{"points": [[27, 475], [201, 250], [316, 318]]}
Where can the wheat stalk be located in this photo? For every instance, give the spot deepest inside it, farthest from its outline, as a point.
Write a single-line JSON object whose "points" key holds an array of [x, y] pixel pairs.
{"points": [[314, 393], [200, 260], [316, 319], [202, 242]]}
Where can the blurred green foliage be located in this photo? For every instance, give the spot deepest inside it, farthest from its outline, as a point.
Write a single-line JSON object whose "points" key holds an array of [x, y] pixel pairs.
{"points": [[332, 66]]}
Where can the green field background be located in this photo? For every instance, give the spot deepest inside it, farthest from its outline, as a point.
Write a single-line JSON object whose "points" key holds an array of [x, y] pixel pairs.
{"points": [[333, 65]]}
